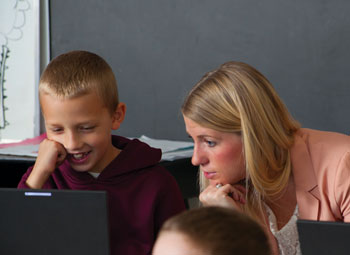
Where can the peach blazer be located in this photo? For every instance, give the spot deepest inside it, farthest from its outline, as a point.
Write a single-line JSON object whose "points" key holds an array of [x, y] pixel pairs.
{"points": [[321, 169]]}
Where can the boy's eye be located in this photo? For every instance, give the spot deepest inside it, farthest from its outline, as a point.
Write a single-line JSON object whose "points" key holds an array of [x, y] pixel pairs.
{"points": [[56, 130], [87, 128]]}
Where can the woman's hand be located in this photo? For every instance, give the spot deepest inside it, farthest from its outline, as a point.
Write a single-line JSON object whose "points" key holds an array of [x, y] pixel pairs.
{"points": [[232, 196]]}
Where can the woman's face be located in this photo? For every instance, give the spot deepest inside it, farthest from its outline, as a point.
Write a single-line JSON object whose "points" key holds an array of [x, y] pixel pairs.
{"points": [[218, 154]]}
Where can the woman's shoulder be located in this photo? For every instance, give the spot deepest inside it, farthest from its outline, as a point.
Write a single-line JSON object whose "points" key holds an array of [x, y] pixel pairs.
{"points": [[325, 150], [324, 139]]}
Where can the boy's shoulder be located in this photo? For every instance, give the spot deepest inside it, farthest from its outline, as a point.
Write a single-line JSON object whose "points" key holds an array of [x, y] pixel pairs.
{"points": [[135, 154], [133, 145], [140, 162]]}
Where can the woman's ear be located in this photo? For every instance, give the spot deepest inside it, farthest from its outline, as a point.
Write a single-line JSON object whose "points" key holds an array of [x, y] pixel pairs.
{"points": [[118, 116]]}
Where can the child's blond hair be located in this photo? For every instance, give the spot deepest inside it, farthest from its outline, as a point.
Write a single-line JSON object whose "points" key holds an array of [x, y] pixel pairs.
{"points": [[76, 73]]}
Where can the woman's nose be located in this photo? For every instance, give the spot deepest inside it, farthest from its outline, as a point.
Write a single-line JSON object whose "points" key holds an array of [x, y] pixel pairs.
{"points": [[197, 157]]}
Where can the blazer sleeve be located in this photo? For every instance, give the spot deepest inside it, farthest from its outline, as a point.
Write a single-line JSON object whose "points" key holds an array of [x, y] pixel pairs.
{"points": [[342, 187]]}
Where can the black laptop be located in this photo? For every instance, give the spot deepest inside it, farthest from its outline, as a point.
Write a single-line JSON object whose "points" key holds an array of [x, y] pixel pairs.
{"points": [[324, 237], [43, 222]]}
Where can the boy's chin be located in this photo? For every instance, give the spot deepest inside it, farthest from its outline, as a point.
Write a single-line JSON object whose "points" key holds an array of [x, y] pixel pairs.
{"points": [[79, 169], [84, 168]]}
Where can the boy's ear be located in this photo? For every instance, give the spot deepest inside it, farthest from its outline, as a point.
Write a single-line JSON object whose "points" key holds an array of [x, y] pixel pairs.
{"points": [[118, 116]]}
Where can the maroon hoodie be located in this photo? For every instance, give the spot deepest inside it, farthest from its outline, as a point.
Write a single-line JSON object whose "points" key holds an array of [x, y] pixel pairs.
{"points": [[142, 194]]}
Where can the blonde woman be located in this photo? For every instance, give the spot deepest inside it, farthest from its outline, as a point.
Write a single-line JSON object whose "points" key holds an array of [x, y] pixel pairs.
{"points": [[255, 158]]}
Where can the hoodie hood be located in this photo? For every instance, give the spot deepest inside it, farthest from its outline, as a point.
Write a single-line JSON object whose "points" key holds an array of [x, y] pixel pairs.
{"points": [[135, 156]]}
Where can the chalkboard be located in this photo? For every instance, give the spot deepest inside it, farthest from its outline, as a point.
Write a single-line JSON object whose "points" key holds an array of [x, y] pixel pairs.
{"points": [[159, 49]]}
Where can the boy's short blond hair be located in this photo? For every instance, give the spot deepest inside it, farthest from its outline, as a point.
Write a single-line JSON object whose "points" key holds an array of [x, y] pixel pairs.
{"points": [[77, 73]]}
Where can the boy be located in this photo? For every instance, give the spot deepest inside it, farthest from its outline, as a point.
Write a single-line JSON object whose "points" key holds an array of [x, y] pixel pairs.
{"points": [[79, 101]]}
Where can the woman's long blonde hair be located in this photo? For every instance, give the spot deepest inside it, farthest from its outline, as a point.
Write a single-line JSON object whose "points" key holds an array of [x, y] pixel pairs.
{"points": [[236, 98]]}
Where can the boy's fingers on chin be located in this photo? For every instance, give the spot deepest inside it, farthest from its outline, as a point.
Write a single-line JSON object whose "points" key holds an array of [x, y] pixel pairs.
{"points": [[61, 157]]}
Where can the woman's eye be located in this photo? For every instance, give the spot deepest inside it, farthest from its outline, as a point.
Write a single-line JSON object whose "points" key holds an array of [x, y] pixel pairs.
{"points": [[210, 143]]}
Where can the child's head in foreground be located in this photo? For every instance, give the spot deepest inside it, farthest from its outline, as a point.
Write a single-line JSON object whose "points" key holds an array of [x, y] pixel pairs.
{"points": [[209, 231], [79, 101]]}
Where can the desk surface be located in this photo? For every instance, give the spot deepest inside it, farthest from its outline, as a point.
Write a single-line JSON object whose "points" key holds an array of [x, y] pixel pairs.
{"points": [[17, 158]]}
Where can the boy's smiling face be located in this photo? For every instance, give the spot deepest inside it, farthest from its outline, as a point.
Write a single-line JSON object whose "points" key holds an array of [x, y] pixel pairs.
{"points": [[83, 126]]}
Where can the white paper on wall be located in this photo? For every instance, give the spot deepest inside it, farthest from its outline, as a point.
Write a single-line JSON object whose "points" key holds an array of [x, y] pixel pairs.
{"points": [[19, 69]]}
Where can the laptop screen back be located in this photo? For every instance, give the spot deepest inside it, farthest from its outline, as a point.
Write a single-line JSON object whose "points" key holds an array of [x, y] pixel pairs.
{"points": [[323, 237], [53, 222]]}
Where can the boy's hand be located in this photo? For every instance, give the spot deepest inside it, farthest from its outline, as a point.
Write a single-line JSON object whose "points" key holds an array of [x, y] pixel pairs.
{"points": [[51, 154], [232, 196]]}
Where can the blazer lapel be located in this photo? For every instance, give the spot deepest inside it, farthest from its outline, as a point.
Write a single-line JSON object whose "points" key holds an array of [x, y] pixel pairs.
{"points": [[307, 193]]}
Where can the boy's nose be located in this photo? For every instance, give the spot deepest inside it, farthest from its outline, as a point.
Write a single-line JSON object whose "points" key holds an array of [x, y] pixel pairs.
{"points": [[72, 141]]}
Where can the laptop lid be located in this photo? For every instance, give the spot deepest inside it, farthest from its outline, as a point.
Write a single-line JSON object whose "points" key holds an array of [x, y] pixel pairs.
{"points": [[323, 237], [53, 222]]}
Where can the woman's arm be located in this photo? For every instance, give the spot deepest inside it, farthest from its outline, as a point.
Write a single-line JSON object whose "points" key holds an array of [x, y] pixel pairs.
{"points": [[342, 187]]}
